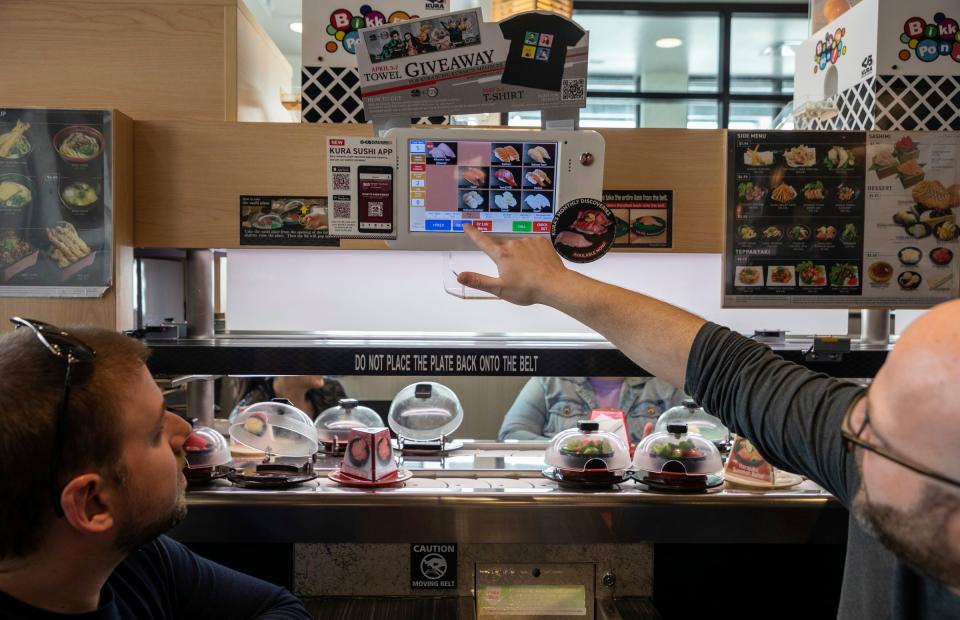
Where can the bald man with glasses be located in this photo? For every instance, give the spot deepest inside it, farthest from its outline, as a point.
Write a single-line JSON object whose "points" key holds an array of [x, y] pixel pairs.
{"points": [[890, 453]]}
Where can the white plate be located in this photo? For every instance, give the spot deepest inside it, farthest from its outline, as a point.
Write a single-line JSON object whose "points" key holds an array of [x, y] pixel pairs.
{"points": [[784, 480]]}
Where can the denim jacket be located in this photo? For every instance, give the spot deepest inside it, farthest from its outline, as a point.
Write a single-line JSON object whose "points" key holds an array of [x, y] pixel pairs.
{"points": [[548, 405]]}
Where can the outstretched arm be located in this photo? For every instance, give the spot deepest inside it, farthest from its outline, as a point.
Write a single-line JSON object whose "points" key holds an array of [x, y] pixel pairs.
{"points": [[654, 334]]}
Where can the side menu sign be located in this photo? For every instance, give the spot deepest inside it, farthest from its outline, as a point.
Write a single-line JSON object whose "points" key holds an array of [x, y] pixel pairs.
{"points": [[841, 219]]}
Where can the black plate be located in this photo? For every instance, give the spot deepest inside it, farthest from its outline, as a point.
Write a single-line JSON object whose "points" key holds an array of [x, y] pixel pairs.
{"points": [[712, 481], [273, 476], [205, 475], [600, 480]]}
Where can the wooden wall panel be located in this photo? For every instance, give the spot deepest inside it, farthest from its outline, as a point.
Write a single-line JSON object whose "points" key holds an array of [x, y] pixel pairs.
{"points": [[150, 60], [189, 177], [691, 162]]}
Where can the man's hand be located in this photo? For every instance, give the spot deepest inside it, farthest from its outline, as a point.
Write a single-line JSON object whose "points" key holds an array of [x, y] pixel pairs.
{"points": [[654, 334], [529, 268]]}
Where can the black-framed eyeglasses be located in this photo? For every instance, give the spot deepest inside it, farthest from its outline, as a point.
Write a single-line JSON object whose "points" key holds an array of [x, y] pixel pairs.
{"points": [[853, 435], [75, 353]]}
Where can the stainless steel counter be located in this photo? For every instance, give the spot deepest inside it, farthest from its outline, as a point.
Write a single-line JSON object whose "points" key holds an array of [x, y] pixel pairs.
{"points": [[496, 494]]}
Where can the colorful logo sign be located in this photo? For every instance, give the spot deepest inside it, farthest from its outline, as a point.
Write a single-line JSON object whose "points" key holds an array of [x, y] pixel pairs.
{"points": [[829, 50], [344, 25], [931, 41]]}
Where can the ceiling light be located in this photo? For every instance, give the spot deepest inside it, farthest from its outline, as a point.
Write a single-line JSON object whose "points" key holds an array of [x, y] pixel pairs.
{"points": [[669, 42], [297, 27]]}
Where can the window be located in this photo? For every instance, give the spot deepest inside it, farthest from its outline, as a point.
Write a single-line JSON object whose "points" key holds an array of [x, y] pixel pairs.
{"points": [[705, 65]]}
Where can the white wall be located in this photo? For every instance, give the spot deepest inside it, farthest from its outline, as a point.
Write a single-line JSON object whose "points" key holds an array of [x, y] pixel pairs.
{"points": [[302, 290], [162, 290]]}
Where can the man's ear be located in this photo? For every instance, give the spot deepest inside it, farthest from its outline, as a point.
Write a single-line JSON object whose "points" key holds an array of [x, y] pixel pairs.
{"points": [[89, 504]]}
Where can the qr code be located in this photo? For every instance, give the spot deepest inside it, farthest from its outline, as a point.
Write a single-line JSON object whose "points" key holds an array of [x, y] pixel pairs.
{"points": [[341, 181], [341, 210], [375, 209], [571, 90]]}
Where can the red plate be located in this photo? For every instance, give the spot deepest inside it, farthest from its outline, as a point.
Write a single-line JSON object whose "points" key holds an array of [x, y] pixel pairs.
{"points": [[347, 480]]}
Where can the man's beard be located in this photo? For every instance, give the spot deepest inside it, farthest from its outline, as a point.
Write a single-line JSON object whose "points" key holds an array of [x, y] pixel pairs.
{"points": [[140, 525], [917, 536]]}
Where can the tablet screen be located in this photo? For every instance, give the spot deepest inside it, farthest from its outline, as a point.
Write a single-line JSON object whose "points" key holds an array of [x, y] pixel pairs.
{"points": [[500, 187]]}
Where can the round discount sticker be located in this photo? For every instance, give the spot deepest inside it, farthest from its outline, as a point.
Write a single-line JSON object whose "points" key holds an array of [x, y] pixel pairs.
{"points": [[583, 230]]}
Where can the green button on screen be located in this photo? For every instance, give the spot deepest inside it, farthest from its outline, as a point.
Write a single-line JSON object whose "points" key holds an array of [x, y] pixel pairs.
{"points": [[522, 226]]}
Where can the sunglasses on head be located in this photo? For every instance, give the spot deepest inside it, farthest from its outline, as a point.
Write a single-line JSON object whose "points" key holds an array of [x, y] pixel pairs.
{"points": [[76, 354]]}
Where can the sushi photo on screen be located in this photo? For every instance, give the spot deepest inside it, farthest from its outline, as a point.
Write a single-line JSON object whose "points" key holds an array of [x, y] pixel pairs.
{"points": [[583, 230], [442, 153], [473, 200], [473, 177], [539, 154], [506, 153], [537, 202], [538, 178], [506, 178], [504, 201]]}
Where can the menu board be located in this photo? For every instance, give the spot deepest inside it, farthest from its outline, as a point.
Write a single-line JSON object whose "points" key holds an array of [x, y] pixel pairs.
{"points": [[56, 203], [819, 219], [911, 241]]}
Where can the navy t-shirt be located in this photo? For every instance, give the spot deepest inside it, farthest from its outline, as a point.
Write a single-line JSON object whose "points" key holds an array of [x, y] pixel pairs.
{"points": [[165, 580], [538, 49]]}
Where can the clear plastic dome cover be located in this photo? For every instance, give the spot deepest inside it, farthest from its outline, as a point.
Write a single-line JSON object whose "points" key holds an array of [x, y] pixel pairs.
{"points": [[334, 424], [425, 411], [677, 451], [276, 427], [698, 421], [205, 447], [585, 448]]}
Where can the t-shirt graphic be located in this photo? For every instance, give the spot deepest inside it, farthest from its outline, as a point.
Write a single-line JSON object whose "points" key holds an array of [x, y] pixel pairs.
{"points": [[538, 49]]}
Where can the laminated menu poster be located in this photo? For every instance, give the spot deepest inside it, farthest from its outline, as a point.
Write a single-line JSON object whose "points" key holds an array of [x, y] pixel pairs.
{"points": [[913, 193], [285, 221], [457, 63], [56, 203], [643, 216], [841, 219], [795, 218]]}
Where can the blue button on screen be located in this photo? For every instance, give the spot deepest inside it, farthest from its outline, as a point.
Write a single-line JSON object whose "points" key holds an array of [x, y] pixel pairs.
{"points": [[458, 225], [438, 224]]}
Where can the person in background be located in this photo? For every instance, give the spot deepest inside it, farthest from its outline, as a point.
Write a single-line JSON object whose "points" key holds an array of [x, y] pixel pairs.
{"points": [[548, 405], [392, 48], [412, 44], [439, 37], [311, 394], [426, 30], [888, 452], [92, 478], [456, 35]]}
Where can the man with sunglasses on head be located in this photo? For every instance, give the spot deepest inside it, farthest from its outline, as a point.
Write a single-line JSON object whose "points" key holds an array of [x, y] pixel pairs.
{"points": [[91, 466], [890, 453]]}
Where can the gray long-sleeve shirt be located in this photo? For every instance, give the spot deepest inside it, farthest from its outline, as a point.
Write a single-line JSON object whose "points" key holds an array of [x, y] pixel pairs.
{"points": [[793, 416]]}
